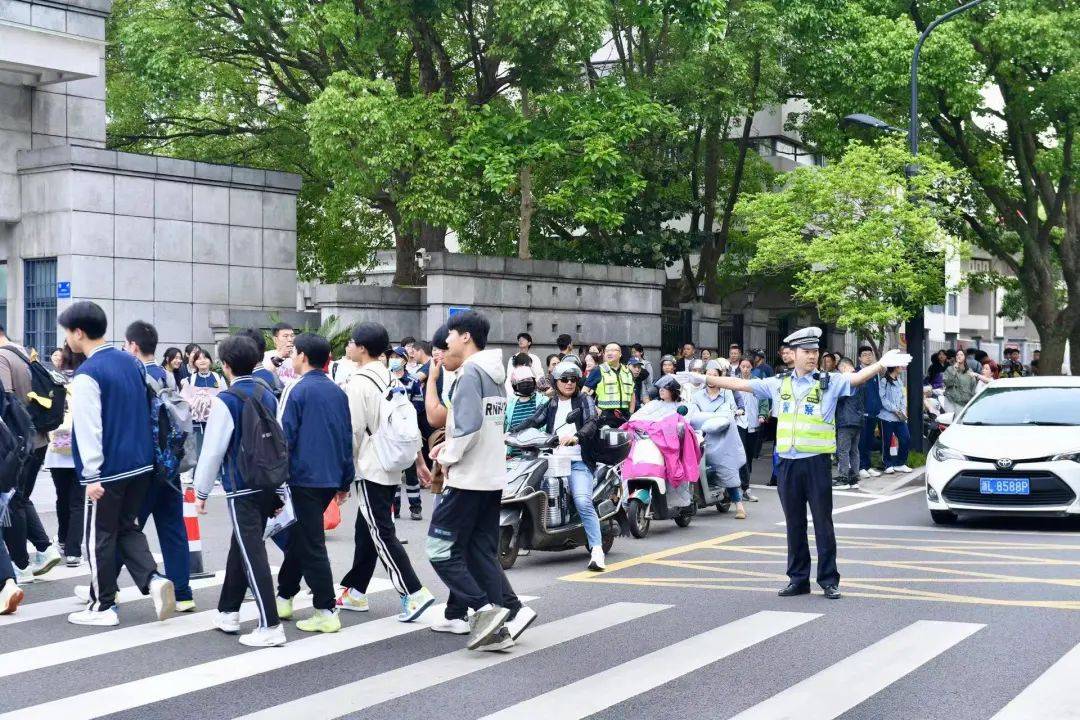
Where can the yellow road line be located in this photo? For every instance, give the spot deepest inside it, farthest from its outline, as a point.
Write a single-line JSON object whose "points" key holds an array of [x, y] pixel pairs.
{"points": [[623, 564]]}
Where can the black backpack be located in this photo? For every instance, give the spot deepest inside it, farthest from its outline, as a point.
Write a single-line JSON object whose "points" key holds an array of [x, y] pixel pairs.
{"points": [[263, 458], [16, 440], [45, 403]]}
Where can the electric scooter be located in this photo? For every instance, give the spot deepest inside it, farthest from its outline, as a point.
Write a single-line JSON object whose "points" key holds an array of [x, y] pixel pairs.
{"points": [[538, 511], [650, 498], [710, 490]]}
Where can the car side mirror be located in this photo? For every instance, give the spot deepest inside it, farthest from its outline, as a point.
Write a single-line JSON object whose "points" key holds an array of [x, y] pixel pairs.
{"points": [[945, 418]]}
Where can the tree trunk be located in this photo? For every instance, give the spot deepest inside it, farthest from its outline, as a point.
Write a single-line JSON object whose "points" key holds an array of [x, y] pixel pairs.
{"points": [[407, 241], [710, 252], [525, 180]]}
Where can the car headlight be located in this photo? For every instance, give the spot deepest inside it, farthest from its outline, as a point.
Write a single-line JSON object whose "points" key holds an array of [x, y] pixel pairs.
{"points": [[943, 452], [1074, 456]]}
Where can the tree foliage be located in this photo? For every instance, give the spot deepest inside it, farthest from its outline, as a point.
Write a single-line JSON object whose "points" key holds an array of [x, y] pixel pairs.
{"points": [[863, 243]]}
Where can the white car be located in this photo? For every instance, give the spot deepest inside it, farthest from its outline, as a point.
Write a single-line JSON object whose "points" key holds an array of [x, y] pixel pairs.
{"points": [[1013, 450]]}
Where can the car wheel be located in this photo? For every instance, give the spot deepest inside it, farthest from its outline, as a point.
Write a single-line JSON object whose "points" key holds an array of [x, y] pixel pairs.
{"points": [[943, 517]]}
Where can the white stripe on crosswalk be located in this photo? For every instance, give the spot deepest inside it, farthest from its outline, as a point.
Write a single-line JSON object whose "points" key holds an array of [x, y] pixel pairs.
{"points": [[597, 692], [834, 691], [63, 572], [70, 604], [156, 688], [401, 681], [1052, 695], [125, 638]]}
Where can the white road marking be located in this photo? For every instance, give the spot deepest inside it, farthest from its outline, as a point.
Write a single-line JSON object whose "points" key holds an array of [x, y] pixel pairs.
{"points": [[131, 636], [965, 530], [1052, 695], [408, 679], [837, 689], [70, 604], [63, 572], [595, 693]]}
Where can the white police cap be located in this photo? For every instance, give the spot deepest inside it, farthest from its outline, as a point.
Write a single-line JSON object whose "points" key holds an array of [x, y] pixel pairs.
{"points": [[807, 338]]}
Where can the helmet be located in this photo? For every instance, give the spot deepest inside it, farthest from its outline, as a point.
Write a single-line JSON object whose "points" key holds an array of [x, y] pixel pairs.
{"points": [[566, 369]]}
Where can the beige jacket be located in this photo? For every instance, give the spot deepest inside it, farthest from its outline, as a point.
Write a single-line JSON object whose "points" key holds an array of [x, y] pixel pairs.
{"points": [[366, 389]]}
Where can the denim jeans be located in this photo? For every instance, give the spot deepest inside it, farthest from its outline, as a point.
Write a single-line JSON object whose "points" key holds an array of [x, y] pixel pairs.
{"points": [[903, 436], [581, 487]]}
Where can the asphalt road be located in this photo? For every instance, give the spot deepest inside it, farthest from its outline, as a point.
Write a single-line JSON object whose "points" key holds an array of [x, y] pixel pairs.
{"points": [[952, 623]]}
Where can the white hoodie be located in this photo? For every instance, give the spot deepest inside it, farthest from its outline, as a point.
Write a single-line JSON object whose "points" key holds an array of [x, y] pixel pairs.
{"points": [[474, 455]]}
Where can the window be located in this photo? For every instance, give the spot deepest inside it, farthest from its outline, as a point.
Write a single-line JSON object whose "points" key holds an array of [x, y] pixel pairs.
{"points": [[39, 324], [1024, 406], [3, 293], [950, 304]]}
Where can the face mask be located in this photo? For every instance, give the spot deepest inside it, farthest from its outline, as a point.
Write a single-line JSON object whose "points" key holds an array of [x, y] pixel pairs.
{"points": [[396, 365], [525, 388]]}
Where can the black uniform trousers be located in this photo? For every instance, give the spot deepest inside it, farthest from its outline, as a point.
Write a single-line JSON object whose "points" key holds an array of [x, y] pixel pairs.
{"points": [[376, 541], [113, 534], [306, 552], [247, 564], [25, 524], [801, 482]]}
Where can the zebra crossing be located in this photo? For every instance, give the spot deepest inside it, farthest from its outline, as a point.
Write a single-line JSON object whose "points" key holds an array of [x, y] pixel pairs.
{"points": [[599, 686]]}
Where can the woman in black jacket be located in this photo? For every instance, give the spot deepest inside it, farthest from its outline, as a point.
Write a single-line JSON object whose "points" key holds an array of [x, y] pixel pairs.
{"points": [[578, 441]]}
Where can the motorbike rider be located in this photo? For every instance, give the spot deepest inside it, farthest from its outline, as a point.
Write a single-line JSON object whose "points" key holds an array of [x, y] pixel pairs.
{"points": [[641, 380], [613, 386], [578, 441], [525, 400], [728, 458]]}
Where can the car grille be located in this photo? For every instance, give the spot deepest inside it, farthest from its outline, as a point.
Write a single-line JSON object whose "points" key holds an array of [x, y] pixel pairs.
{"points": [[1046, 489]]}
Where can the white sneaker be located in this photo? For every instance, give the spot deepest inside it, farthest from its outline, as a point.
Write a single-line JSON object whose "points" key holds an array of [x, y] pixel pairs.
{"points": [[497, 642], [10, 597], [82, 593], [524, 618], [414, 605], [874, 473], [24, 576], [73, 561], [455, 626], [227, 622], [349, 599], [864, 474], [43, 562], [97, 618], [890, 470], [903, 469], [163, 594], [596, 562], [265, 637]]}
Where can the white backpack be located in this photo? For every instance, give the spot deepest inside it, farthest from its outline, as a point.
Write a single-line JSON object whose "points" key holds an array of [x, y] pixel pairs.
{"points": [[397, 439]]}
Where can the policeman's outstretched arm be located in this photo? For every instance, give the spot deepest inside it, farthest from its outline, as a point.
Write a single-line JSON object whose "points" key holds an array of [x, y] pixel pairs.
{"points": [[730, 383], [892, 358]]}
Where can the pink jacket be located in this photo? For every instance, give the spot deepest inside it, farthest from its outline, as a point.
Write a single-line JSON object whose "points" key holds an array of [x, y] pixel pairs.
{"points": [[681, 455]]}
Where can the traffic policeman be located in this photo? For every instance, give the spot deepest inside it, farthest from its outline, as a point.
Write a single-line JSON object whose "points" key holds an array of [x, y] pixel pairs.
{"points": [[614, 387], [805, 403]]}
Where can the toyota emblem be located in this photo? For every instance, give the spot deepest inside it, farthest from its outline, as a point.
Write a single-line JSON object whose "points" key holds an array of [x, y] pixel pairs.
{"points": [[1004, 464]]}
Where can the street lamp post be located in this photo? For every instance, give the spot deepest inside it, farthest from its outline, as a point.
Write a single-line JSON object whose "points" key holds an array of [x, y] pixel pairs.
{"points": [[916, 325]]}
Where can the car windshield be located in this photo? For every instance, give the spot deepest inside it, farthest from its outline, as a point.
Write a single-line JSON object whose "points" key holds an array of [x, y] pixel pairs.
{"points": [[1040, 406]]}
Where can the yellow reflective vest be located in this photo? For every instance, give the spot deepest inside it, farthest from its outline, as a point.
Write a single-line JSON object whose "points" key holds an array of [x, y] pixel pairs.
{"points": [[800, 423], [616, 388]]}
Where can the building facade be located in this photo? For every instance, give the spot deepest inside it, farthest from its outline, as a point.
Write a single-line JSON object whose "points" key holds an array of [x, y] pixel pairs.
{"points": [[173, 242]]}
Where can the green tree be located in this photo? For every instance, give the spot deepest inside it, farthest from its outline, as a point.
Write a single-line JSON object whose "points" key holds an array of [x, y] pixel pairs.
{"points": [[863, 244], [1000, 98]]}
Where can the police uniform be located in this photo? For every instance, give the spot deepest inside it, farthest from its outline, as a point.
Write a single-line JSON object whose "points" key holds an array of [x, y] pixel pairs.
{"points": [[805, 408]]}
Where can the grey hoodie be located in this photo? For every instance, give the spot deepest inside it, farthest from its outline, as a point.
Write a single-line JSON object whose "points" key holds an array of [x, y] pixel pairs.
{"points": [[474, 455]]}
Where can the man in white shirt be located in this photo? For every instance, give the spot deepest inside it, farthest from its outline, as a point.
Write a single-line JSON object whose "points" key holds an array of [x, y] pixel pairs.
{"points": [[524, 341], [277, 360]]}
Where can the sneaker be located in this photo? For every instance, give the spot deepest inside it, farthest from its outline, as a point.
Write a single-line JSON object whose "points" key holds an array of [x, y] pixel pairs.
{"points": [[740, 514], [73, 561], [349, 599], [749, 496], [874, 473], [323, 621], [839, 482], [265, 637], [596, 562], [10, 597], [485, 623], [903, 469], [416, 515], [890, 470], [43, 562], [499, 641], [227, 622], [163, 593], [97, 618], [520, 621], [24, 576], [185, 606], [397, 513], [864, 474], [284, 608], [853, 483], [454, 626], [414, 605], [82, 593]]}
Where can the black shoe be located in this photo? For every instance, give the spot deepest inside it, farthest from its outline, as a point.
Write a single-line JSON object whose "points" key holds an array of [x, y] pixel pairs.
{"points": [[792, 589], [416, 515], [772, 481], [840, 482], [832, 592], [397, 513]]}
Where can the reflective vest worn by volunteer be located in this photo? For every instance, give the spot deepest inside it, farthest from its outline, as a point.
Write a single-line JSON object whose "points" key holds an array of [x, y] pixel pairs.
{"points": [[799, 422], [616, 388]]}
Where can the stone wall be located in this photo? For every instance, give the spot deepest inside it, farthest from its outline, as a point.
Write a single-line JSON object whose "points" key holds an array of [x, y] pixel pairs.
{"points": [[592, 303], [163, 240]]}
